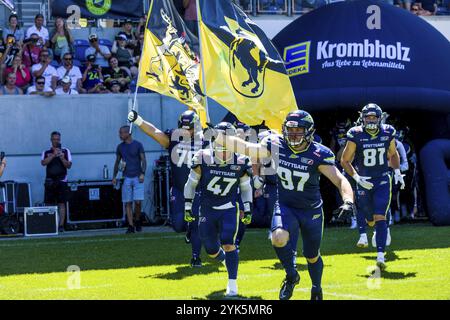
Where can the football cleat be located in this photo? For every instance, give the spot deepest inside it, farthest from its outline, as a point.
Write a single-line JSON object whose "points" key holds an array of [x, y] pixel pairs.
{"points": [[317, 295], [381, 263], [362, 242], [196, 262], [287, 287]]}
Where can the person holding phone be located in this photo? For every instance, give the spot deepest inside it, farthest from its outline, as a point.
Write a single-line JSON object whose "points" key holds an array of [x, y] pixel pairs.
{"points": [[57, 161]]}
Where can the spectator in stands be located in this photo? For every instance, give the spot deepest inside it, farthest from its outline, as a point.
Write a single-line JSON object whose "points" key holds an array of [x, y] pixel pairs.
{"points": [[92, 80], [140, 29], [115, 86], [426, 7], [23, 75], [68, 69], [102, 52], [40, 30], [10, 87], [406, 4], [40, 89], [31, 52], [57, 161], [121, 51], [62, 40], [66, 87], [14, 29], [46, 70], [117, 73], [190, 15], [12, 50], [139, 49], [244, 4], [132, 153], [127, 30]]}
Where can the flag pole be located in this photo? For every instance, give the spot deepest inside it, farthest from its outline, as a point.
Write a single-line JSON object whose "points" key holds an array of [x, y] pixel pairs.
{"points": [[201, 61]]}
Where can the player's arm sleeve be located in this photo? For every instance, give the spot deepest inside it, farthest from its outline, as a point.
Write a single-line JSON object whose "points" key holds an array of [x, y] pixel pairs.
{"points": [[351, 135], [327, 157], [403, 158], [246, 190], [194, 177]]}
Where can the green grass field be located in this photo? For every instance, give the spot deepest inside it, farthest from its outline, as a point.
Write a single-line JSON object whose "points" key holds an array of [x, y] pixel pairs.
{"points": [[154, 266]]}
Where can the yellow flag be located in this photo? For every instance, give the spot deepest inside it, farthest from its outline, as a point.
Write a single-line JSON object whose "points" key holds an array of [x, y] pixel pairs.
{"points": [[170, 62], [243, 70]]}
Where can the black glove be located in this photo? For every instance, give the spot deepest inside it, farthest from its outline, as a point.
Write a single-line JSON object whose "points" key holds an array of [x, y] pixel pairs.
{"points": [[346, 210]]}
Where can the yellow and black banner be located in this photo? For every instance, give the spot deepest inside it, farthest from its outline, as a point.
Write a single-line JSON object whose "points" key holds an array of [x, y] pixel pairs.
{"points": [[243, 70], [170, 62]]}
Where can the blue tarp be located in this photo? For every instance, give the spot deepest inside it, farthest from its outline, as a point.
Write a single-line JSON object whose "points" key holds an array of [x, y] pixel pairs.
{"points": [[349, 53]]}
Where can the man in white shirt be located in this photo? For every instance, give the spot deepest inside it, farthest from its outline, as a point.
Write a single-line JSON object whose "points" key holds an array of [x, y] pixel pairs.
{"points": [[66, 87], [46, 70], [101, 52], [39, 88], [68, 69], [40, 30]]}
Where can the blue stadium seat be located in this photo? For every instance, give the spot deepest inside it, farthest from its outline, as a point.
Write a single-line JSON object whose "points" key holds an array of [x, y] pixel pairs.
{"points": [[77, 63], [80, 48], [55, 64], [106, 42]]}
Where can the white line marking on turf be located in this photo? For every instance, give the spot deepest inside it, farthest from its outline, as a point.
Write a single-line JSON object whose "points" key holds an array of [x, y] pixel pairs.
{"points": [[67, 289]]}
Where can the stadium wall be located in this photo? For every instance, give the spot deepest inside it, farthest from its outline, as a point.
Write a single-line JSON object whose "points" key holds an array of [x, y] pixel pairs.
{"points": [[89, 127]]}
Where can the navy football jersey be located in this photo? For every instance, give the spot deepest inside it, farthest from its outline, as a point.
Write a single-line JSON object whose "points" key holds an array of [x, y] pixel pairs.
{"points": [[219, 183], [298, 176], [371, 150], [181, 150]]}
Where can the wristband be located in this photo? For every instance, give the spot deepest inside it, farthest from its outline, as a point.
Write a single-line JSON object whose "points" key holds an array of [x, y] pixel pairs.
{"points": [[188, 205]]}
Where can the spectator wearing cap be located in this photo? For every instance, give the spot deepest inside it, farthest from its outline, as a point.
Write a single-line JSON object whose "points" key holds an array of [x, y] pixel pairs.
{"points": [[427, 7], [40, 30], [46, 70], [31, 52], [66, 87], [23, 75], [140, 29], [61, 40], [127, 30], [117, 73], [115, 86], [10, 87], [40, 89], [68, 69], [14, 29], [102, 52], [121, 52], [92, 80]]}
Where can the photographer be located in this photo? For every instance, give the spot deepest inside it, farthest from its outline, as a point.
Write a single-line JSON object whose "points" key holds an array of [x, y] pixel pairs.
{"points": [[12, 50], [92, 80], [57, 160], [31, 51], [101, 52], [121, 52], [45, 69]]}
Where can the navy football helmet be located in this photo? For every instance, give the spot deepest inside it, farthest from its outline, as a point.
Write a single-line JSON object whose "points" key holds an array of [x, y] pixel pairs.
{"points": [[188, 119], [371, 109], [298, 119], [243, 130], [227, 129]]}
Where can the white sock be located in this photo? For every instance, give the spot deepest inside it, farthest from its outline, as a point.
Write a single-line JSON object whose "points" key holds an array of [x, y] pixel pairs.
{"points": [[380, 255], [363, 235], [232, 285]]}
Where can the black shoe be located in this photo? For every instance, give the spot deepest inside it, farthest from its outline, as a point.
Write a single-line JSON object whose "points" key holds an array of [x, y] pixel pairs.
{"points": [[196, 262], [317, 295], [60, 229], [287, 287], [130, 229], [187, 237], [138, 226]]}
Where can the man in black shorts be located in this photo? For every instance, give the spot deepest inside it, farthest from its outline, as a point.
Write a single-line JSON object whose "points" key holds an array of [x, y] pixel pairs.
{"points": [[57, 160]]}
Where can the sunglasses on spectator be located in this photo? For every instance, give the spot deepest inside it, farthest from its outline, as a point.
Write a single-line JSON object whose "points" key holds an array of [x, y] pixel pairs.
{"points": [[40, 83], [68, 59]]}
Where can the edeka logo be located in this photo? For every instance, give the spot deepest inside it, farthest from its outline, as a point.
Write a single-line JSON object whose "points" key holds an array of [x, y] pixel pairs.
{"points": [[366, 49], [98, 7], [296, 58]]}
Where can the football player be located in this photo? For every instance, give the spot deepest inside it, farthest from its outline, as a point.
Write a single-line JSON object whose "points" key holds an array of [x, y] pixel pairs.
{"points": [[182, 143], [299, 162], [371, 147], [221, 176]]}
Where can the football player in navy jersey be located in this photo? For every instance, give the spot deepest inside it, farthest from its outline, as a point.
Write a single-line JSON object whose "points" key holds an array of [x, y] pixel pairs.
{"points": [[221, 176], [371, 148], [299, 162], [182, 143]]}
